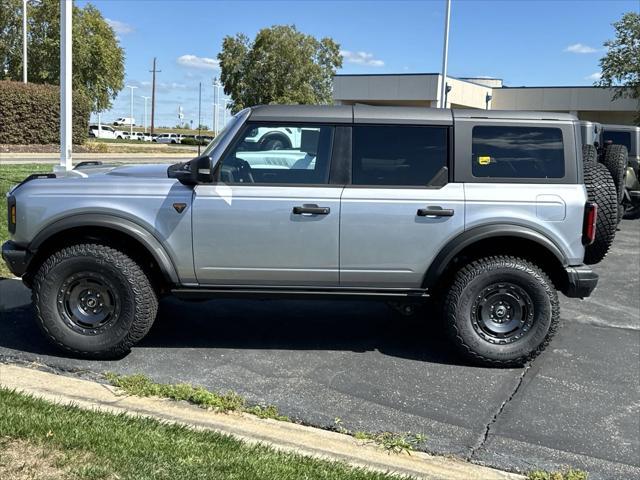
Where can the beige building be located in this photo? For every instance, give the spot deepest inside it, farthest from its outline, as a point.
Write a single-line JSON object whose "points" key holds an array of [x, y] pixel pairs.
{"points": [[588, 103]]}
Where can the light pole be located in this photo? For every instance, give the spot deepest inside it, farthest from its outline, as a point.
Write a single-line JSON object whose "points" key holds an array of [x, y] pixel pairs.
{"points": [[145, 113], [24, 41], [131, 111], [445, 54], [216, 85], [487, 99], [66, 74]]}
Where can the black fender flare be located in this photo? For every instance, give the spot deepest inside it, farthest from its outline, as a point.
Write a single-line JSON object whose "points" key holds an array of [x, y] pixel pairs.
{"points": [[113, 222], [477, 234]]}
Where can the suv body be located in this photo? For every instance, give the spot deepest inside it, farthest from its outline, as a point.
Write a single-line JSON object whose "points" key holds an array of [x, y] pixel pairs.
{"points": [[168, 138], [370, 202]]}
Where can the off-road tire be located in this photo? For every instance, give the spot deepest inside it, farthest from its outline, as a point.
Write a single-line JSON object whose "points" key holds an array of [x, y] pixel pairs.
{"points": [[138, 301], [602, 191], [467, 286], [631, 211], [589, 153], [615, 158]]}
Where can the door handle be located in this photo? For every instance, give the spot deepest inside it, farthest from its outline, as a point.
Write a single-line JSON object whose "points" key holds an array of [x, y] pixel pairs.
{"points": [[311, 209], [435, 212]]}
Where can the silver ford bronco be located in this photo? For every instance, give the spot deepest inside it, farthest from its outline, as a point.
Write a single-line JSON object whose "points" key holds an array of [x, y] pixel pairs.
{"points": [[489, 212]]}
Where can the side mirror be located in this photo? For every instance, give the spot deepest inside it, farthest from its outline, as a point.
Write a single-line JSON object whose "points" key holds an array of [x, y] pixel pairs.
{"points": [[193, 172]]}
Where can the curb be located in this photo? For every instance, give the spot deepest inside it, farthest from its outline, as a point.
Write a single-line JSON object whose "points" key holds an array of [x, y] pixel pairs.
{"points": [[282, 436]]}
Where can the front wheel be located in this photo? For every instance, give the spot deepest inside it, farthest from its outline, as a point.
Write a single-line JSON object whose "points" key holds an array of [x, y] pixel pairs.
{"points": [[93, 300], [501, 311]]}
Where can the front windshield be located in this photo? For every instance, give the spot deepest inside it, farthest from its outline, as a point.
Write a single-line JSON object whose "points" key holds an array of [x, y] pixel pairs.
{"points": [[212, 145]]}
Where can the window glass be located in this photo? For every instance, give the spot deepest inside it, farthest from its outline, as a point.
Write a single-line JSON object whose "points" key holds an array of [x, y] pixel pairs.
{"points": [[617, 138], [517, 152], [279, 154], [399, 155]]}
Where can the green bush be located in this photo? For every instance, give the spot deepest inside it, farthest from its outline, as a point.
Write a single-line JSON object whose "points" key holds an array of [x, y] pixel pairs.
{"points": [[30, 114], [192, 141]]}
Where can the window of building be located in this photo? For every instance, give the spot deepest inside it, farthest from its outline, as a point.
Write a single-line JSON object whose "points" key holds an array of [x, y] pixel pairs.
{"points": [[517, 152], [399, 155]]}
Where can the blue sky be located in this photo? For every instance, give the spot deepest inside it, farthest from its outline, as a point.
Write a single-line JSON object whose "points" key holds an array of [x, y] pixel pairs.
{"points": [[536, 42]]}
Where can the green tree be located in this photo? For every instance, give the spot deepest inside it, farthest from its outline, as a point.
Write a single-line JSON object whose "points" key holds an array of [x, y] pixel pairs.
{"points": [[281, 65], [98, 59], [621, 65]]}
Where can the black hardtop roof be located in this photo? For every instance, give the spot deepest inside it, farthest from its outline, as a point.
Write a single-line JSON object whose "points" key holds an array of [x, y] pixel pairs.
{"points": [[388, 114]]}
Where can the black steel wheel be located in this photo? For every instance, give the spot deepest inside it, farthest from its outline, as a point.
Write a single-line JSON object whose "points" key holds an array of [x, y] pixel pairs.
{"points": [[88, 302], [502, 313]]}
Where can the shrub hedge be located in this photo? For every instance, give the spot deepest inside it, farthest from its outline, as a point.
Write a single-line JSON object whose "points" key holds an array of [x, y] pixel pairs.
{"points": [[30, 114]]}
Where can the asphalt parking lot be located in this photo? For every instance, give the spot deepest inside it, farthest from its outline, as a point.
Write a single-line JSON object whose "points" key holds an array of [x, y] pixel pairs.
{"points": [[578, 404]]}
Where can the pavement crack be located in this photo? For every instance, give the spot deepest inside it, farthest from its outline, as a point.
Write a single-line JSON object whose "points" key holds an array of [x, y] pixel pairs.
{"points": [[480, 443]]}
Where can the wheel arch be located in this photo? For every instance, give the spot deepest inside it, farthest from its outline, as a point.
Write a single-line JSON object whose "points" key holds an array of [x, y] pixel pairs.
{"points": [[133, 238], [499, 240]]}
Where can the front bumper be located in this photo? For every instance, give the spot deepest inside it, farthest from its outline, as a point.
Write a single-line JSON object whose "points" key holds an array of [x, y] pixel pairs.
{"points": [[581, 283], [16, 258]]}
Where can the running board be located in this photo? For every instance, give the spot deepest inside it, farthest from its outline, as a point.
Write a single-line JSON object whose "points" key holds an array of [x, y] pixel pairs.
{"points": [[247, 291]]}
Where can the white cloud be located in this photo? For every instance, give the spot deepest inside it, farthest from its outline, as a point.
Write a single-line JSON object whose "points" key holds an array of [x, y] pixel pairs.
{"points": [[120, 27], [594, 76], [193, 61], [580, 48], [361, 58]]}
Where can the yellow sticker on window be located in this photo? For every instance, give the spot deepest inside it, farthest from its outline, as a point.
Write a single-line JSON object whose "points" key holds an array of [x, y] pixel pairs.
{"points": [[484, 160]]}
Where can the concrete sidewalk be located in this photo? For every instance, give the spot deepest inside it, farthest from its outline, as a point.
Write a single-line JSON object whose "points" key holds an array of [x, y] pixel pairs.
{"points": [[284, 436]]}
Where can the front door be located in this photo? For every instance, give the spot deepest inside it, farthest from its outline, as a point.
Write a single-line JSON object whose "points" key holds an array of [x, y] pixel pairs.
{"points": [[399, 210], [272, 218]]}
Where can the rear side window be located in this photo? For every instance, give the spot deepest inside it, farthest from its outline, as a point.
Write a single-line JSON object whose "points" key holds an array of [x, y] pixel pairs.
{"points": [[399, 155], [617, 138], [517, 152]]}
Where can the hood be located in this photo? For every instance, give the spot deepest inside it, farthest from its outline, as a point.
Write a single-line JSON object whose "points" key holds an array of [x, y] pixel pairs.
{"points": [[155, 170]]}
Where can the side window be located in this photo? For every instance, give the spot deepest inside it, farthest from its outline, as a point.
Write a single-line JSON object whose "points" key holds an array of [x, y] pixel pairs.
{"points": [[617, 138], [399, 155], [281, 154], [517, 152]]}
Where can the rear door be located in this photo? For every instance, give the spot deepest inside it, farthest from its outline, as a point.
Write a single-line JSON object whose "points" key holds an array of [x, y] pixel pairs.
{"points": [[273, 217], [400, 208]]}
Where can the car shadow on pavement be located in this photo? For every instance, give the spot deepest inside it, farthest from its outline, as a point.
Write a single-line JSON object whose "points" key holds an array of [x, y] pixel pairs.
{"points": [[301, 325], [360, 326]]}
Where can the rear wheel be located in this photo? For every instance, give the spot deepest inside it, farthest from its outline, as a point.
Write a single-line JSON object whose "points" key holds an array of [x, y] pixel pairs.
{"points": [[589, 153], [615, 158], [602, 191], [93, 301], [501, 311]]}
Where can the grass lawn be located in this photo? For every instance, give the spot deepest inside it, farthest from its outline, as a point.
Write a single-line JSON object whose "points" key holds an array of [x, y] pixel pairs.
{"points": [[9, 176], [42, 440]]}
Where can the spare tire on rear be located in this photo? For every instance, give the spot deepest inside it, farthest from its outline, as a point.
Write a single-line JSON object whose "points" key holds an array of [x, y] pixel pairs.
{"points": [[602, 191], [589, 153], [615, 158]]}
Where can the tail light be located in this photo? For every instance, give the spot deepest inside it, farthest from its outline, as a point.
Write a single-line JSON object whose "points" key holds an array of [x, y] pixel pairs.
{"points": [[11, 214], [589, 226]]}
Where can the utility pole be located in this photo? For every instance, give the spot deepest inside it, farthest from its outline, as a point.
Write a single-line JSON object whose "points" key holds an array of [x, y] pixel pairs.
{"points": [[145, 112], [66, 74], [153, 93], [24, 41], [199, 116], [445, 56], [131, 111]]}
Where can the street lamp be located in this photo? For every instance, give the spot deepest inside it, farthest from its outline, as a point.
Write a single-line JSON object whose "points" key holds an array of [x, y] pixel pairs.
{"points": [[24, 41], [131, 111], [145, 113], [445, 53]]}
